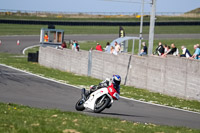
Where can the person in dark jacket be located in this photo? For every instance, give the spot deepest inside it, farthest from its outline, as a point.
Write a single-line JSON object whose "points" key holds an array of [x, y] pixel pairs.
{"points": [[160, 49], [144, 49], [174, 51], [185, 53]]}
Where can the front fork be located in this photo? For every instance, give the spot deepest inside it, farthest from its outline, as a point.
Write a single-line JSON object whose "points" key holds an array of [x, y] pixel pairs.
{"points": [[83, 94]]}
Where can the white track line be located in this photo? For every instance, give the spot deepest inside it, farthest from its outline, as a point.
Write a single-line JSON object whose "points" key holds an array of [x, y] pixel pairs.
{"points": [[24, 50], [131, 99]]}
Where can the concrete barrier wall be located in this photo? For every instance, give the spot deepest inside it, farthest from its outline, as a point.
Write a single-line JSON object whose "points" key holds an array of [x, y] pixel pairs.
{"points": [[65, 60], [173, 76], [104, 65]]}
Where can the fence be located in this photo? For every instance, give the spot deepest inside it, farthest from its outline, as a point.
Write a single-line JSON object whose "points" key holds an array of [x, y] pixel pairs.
{"points": [[39, 13], [172, 75]]}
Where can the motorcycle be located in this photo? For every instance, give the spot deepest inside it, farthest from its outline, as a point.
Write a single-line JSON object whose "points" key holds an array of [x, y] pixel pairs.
{"points": [[98, 100]]}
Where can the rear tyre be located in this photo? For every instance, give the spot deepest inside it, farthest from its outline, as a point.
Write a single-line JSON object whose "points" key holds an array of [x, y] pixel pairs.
{"points": [[79, 105], [101, 106]]}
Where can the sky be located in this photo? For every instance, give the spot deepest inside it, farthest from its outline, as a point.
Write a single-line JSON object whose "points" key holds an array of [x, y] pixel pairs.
{"points": [[99, 5]]}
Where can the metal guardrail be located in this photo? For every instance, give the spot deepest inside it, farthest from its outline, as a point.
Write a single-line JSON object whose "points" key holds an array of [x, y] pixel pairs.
{"points": [[93, 13], [35, 22]]}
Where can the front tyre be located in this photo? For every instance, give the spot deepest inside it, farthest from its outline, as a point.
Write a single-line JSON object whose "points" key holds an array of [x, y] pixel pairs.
{"points": [[79, 105], [101, 104]]}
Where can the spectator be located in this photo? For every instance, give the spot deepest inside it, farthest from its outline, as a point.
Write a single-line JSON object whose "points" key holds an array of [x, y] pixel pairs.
{"points": [[74, 46], [117, 47], [46, 38], [196, 54], [198, 45], [174, 51], [64, 45], [185, 52], [113, 51], [98, 47], [144, 49], [107, 49], [166, 48], [77, 45], [160, 49]]}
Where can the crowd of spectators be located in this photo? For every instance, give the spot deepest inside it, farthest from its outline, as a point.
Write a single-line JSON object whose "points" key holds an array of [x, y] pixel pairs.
{"points": [[110, 49], [164, 50], [161, 50]]}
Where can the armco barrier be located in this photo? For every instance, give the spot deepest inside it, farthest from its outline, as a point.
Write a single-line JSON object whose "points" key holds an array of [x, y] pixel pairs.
{"points": [[173, 76], [38, 22]]}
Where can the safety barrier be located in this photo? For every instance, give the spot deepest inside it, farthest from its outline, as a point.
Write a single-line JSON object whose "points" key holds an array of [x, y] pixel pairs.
{"points": [[37, 22], [173, 76]]}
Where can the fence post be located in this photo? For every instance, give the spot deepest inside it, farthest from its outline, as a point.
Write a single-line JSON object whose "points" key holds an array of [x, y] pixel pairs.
{"points": [[89, 63], [129, 62]]}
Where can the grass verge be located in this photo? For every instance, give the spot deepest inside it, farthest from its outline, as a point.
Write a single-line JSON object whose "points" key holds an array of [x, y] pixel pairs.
{"points": [[20, 29], [16, 118], [96, 18], [84, 81]]}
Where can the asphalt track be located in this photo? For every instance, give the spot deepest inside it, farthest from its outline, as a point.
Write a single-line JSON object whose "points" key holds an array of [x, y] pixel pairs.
{"points": [[23, 88]]}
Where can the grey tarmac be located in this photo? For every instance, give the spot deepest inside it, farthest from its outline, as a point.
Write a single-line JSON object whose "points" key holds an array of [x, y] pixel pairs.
{"points": [[26, 89]]}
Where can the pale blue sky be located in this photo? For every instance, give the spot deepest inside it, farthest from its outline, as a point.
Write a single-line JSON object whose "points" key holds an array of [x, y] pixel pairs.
{"points": [[98, 5]]}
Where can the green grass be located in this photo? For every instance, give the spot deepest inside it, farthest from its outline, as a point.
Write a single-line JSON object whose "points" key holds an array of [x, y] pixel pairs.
{"points": [[98, 18], [16, 118], [17, 29]]}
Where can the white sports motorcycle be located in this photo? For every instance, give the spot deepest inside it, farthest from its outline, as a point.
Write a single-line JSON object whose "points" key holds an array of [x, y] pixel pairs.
{"points": [[98, 100]]}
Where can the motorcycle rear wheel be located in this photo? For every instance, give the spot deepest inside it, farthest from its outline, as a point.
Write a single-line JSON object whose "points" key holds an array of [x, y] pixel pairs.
{"points": [[79, 105], [98, 108]]}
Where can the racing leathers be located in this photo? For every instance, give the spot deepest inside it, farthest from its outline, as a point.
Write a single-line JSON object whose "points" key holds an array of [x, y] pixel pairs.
{"points": [[102, 84]]}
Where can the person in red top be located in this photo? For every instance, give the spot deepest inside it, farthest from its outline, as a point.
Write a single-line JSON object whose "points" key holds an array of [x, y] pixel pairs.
{"points": [[64, 45], [46, 37], [98, 47]]}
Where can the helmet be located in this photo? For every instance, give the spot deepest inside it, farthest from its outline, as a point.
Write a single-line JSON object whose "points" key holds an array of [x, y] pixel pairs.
{"points": [[116, 80]]}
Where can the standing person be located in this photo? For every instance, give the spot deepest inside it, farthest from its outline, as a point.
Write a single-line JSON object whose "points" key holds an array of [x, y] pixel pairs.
{"points": [[196, 53], [160, 49], [46, 38], [144, 49], [117, 47], [98, 47], [77, 46], [107, 49], [185, 52], [74, 46]]}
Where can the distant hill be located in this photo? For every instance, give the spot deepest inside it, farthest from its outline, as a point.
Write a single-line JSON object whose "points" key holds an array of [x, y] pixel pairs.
{"points": [[197, 10]]}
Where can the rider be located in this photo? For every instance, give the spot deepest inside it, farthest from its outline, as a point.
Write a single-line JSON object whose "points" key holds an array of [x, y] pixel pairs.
{"points": [[115, 80]]}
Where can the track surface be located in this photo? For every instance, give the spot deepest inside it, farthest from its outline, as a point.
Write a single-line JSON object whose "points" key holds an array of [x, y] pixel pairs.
{"points": [[22, 88], [9, 43]]}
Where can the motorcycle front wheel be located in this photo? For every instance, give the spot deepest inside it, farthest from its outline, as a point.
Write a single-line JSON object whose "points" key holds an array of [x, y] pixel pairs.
{"points": [[101, 104], [79, 105]]}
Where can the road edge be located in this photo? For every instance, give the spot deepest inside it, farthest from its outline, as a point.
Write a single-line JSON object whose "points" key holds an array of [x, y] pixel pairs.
{"points": [[131, 99]]}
